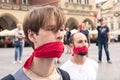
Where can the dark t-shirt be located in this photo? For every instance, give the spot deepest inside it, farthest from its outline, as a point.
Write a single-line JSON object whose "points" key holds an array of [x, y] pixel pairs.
{"points": [[68, 34], [102, 34], [86, 33]]}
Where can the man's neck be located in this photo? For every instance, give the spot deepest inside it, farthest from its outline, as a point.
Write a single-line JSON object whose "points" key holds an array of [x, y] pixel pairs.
{"points": [[102, 25], [78, 59], [42, 67]]}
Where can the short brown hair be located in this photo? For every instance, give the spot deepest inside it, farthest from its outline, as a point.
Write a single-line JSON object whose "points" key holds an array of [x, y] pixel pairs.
{"points": [[38, 17], [100, 19]]}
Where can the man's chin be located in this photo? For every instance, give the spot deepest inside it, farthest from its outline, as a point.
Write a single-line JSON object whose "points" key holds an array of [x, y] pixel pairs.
{"points": [[83, 53]]}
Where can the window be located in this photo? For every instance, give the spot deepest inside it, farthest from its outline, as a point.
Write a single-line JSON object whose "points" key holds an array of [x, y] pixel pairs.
{"points": [[14, 1], [6, 1], [105, 18], [25, 2], [70, 1], [119, 25], [78, 1], [112, 26], [111, 18], [86, 1]]}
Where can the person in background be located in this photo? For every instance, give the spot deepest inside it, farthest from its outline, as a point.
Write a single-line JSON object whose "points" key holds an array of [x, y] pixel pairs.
{"points": [[80, 67], [43, 27], [103, 40], [18, 43], [83, 29], [67, 39]]}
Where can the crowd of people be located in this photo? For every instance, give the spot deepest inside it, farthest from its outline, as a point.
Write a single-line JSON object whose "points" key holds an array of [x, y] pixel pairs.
{"points": [[46, 38]]}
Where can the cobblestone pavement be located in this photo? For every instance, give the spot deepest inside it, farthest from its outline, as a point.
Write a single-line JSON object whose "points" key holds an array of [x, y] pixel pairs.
{"points": [[106, 71]]}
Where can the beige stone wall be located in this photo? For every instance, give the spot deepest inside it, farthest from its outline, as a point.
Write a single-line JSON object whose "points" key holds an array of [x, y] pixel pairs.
{"points": [[108, 11], [108, 4], [79, 12]]}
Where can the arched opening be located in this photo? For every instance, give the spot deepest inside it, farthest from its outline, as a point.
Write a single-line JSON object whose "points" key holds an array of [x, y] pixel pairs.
{"points": [[1, 28], [8, 21], [72, 23], [91, 27], [89, 24]]}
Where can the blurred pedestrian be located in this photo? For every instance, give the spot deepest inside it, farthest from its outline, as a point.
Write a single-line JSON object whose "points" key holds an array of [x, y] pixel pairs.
{"points": [[103, 40], [79, 66], [43, 27], [18, 43], [83, 29], [67, 39]]}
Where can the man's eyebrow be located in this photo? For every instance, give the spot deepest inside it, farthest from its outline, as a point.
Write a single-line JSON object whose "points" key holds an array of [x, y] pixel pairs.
{"points": [[50, 26], [82, 40]]}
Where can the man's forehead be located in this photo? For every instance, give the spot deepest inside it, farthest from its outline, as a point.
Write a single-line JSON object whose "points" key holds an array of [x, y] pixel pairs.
{"points": [[79, 36], [54, 26]]}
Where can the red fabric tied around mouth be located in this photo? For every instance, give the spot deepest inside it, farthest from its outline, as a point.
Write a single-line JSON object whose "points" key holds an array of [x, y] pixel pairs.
{"points": [[79, 50], [49, 50]]}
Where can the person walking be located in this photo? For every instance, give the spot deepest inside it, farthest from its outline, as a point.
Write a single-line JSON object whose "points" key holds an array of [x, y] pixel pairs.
{"points": [[80, 67], [43, 27], [18, 43], [103, 40]]}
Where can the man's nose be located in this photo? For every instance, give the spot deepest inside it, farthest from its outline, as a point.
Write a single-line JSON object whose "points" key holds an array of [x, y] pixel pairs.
{"points": [[59, 35], [85, 44]]}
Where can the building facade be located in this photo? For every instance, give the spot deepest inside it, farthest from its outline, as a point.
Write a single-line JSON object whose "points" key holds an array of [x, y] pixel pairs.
{"points": [[76, 11], [110, 12]]}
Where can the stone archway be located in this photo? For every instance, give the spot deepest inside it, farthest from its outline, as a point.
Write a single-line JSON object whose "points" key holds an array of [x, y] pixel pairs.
{"points": [[72, 23], [3, 23], [8, 21], [90, 24], [1, 28]]}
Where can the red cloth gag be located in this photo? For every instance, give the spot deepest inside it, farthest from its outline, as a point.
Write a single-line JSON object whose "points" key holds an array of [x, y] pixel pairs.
{"points": [[49, 50], [79, 50]]}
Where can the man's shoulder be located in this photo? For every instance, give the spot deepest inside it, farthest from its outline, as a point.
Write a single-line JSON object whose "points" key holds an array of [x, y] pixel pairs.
{"points": [[20, 75], [66, 64], [98, 27], [8, 77], [92, 61], [13, 76], [64, 74]]}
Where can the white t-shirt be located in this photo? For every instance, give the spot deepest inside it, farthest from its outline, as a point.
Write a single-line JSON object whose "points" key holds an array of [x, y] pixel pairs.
{"points": [[87, 71], [20, 32]]}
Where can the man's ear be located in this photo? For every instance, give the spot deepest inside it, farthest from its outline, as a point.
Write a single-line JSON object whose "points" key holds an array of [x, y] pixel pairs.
{"points": [[31, 35]]}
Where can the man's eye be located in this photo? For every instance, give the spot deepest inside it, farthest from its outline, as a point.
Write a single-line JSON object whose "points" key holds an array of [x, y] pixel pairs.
{"points": [[80, 41], [52, 29], [86, 41], [61, 29]]}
